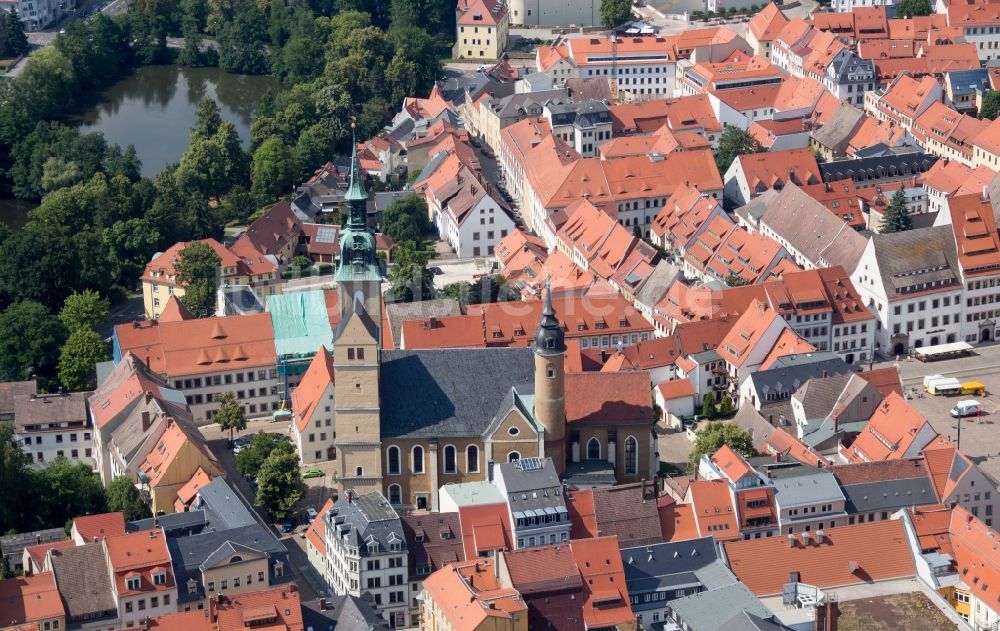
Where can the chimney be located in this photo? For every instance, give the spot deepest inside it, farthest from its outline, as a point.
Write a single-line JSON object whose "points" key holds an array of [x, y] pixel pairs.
{"points": [[322, 604], [145, 420], [820, 537], [827, 615], [149, 394], [791, 540]]}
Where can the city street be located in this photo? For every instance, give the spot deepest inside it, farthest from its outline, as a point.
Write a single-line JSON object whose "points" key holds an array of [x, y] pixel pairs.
{"points": [[218, 441]]}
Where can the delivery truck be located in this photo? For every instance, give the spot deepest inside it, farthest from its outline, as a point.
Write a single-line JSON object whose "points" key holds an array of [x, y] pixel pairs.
{"points": [[970, 407]]}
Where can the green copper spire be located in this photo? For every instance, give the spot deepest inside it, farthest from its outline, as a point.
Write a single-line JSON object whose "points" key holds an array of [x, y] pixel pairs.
{"points": [[358, 259]]}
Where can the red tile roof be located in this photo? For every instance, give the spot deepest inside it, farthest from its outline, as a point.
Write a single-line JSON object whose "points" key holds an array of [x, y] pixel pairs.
{"points": [[485, 528], [931, 524], [316, 532], [849, 555], [582, 514], [187, 493], [622, 398], [275, 609], [781, 444], [139, 555], [779, 167], [733, 465], [890, 432], [308, 395], [98, 527], [606, 598], [38, 552], [975, 547], [767, 23], [26, 599], [747, 333], [712, 506], [976, 235], [469, 594], [885, 380]]}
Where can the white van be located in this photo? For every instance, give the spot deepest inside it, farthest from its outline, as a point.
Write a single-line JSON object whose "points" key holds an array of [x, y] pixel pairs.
{"points": [[969, 407]]}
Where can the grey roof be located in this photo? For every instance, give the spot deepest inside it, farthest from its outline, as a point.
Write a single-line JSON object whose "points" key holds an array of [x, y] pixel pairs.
{"points": [[752, 211], [191, 554], [191, 521], [711, 610], [810, 228], [787, 376], [587, 88], [516, 105], [654, 288], [342, 613], [795, 486], [583, 114], [13, 546], [357, 308], [916, 260], [889, 495], [674, 565], [222, 506], [448, 392], [399, 312], [819, 395], [968, 81], [750, 420], [381, 199], [849, 68], [84, 581], [366, 520], [518, 480], [65, 407], [473, 493], [840, 129], [589, 474], [867, 169], [11, 389], [746, 621]]}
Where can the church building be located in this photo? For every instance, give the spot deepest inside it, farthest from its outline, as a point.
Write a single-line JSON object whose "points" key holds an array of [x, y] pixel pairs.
{"points": [[406, 422]]}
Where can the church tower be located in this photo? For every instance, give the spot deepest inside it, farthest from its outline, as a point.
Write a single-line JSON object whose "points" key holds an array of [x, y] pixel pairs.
{"points": [[358, 269], [356, 344], [550, 382]]}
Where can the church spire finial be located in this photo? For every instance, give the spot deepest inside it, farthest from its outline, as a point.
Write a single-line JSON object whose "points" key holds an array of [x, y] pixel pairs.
{"points": [[549, 337], [356, 194]]}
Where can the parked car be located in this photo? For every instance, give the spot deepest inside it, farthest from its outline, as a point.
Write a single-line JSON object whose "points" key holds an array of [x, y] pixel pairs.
{"points": [[311, 514], [288, 526], [312, 473], [437, 271]]}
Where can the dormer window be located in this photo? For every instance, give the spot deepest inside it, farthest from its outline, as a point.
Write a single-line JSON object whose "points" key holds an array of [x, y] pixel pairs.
{"points": [[160, 578], [133, 583]]}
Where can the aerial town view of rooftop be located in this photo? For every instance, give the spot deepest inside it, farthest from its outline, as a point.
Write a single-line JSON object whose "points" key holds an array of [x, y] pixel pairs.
{"points": [[647, 315]]}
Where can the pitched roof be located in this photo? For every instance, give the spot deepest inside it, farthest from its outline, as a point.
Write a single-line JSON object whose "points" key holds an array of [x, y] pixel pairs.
{"points": [[64, 407], [608, 398], [890, 432], [782, 444], [712, 506], [976, 238], [485, 527], [848, 555], [99, 527], [885, 380], [606, 598], [975, 552], [84, 580], [174, 310], [308, 395], [432, 541], [628, 512], [469, 593], [35, 598], [767, 23], [747, 333]]}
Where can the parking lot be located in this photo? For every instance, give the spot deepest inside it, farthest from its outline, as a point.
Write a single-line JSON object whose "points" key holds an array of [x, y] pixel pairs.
{"points": [[980, 436]]}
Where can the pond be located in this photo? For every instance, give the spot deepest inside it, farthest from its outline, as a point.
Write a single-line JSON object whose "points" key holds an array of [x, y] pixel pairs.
{"points": [[154, 109]]}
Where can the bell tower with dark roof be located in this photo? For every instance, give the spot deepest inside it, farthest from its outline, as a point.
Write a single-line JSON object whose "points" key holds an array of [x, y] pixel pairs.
{"points": [[550, 381]]}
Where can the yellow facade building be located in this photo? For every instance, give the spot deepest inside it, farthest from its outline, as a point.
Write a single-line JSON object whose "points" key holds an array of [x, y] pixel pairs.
{"points": [[483, 29]]}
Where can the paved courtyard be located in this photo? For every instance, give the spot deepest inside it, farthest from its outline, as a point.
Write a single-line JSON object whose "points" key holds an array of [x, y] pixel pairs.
{"points": [[980, 437]]}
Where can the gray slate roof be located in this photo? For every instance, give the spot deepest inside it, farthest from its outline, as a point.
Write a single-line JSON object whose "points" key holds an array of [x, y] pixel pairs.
{"points": [[752, 211], [516, 105], [11, 389], [710, 610], [849, 68], [358, 520], [674, 565], [67, 407], [223, 508], [795, 486], [655, 287], [889, 495], [746, 621], [787, 377], [837, 133], [448, 392], [862, 169], [13, 546], [84, 582], [342, 613], [909, 260], [810, 228]]}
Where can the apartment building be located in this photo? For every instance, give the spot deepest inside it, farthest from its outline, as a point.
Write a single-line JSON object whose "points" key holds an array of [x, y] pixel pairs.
{"points": [[535, 500], [807, 499], [49, 426], [366, 553], [483, 29], [143, 584]]}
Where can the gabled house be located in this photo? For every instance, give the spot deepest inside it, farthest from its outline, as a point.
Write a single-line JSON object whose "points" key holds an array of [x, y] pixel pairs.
{"points": [[959, 481], [749, 341], [143, 582], [312, 417], [895, 430], [825, 408], [752, 174]]}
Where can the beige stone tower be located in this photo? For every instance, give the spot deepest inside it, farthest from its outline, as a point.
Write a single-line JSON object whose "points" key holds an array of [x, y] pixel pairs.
{"points": [[550, 382]]}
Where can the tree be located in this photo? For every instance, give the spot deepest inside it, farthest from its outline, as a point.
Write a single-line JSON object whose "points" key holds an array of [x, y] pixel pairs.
{"points": [[123, 497], [49, 79], [897, 215], [242, 42], [726, 407], [279, 484], [84, 311], [230, 415], [991, 105], [708, 406], [913, 8], [734, 142], [409, 278], [14, 480], [30, 338], [208, 119], [65, 490], [273, 169], [83, 350], [405, 219], [614, 13], [197, 270], [13, 38], [717, 434], [128, 245], [735, 280], [251, 457]]}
